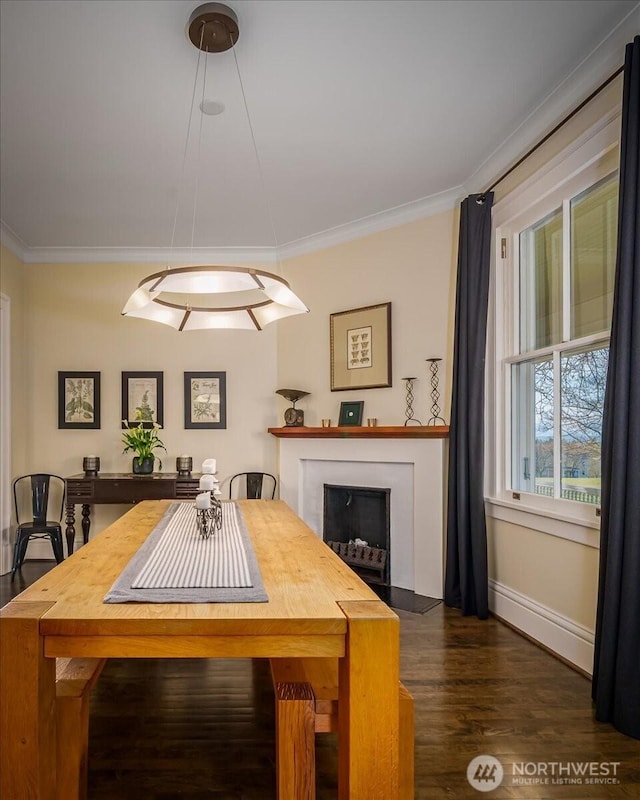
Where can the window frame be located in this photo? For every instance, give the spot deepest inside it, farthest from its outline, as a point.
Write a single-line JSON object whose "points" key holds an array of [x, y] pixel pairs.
{"points": [[589, 159]]}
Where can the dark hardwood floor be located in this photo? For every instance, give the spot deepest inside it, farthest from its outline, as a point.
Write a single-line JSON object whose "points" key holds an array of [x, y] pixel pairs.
{"points": [[198, 729]]}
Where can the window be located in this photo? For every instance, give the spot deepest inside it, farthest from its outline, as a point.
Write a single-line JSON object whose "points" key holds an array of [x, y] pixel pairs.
{"points": [[554, 298], [565, 299]]}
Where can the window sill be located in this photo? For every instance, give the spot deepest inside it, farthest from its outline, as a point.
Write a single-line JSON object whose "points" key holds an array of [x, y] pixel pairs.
{"points": [[586, 532]]}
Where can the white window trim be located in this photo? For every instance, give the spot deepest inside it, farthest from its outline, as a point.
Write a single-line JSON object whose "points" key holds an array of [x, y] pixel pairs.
{"points": [[572, 170], [5, 435], [551, 522]]}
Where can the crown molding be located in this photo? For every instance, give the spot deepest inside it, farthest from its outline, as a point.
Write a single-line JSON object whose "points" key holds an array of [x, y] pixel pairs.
{"points": [[148, 255], [392, 218], [601, 62], [366, 226], [12, 241]]}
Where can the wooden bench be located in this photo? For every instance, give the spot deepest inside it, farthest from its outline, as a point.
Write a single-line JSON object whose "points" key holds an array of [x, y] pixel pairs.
{"points": [[75, 678], [306, 692]]}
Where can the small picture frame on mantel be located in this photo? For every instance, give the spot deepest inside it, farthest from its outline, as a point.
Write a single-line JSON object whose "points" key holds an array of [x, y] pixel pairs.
{"points": [[351, 413]]}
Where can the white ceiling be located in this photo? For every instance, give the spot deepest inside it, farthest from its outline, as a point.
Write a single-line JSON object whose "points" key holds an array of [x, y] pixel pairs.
{"points": [[358, 107]]}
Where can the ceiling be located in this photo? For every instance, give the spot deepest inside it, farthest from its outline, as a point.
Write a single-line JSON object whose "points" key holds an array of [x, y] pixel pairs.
{"points": [[357, 107]]}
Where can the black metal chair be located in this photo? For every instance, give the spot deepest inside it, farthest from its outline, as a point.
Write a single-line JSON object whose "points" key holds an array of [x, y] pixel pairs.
{"points": [[35, 491], [255, 488]]}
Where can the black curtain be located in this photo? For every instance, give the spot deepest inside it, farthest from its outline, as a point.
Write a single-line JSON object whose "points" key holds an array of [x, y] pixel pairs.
{"points": [[466, 582], [616, 673]]}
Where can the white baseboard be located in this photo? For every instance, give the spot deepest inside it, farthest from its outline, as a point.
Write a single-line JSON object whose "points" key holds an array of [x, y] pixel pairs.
{"points": [[563, 636]]}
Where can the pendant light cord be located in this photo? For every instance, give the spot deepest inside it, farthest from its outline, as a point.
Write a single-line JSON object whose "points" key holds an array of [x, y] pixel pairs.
{"points": [[195, 196], [186, 148], [255, 150]]}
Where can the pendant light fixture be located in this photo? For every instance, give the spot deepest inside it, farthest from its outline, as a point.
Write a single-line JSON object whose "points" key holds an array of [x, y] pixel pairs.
{"points": [[201, 297]]}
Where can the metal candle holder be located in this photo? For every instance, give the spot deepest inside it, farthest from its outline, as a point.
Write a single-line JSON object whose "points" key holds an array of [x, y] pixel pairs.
{"points": [[184, 465], [208, 520], [435, 394], [409, 400], [91, 466]]}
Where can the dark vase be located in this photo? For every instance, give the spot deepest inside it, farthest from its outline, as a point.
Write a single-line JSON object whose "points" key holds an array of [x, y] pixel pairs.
{"points": [[143, 466]]}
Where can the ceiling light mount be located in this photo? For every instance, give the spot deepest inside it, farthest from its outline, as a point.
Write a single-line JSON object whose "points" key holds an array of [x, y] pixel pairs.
{"points": [[220, 24]]}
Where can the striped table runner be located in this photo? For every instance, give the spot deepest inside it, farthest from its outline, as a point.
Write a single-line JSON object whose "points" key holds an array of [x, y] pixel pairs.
{"points": [[176, 565], [182, 559]]}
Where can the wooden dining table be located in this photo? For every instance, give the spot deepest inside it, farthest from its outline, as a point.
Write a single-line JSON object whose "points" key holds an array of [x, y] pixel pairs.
{"points": [[317, 607]]}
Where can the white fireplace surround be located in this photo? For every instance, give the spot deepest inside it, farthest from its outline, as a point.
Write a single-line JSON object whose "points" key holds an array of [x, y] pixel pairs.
{"points": [[411, 468]]}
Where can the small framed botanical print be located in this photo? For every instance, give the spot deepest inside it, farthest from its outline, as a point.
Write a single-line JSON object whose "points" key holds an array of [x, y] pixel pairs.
{"points": [[205, 400], [142, 399], [79, 400]]}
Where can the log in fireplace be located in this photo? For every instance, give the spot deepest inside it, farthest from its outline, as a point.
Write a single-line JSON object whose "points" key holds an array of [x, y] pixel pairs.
{"points": [[356, 526]]}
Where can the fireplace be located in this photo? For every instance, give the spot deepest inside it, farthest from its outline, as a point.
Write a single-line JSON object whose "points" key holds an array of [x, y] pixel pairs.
{"points": [[356, 525], [411, 468]]}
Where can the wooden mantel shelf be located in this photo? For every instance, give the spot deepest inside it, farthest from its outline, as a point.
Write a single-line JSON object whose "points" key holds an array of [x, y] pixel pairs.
{"points": [[353, 432]]}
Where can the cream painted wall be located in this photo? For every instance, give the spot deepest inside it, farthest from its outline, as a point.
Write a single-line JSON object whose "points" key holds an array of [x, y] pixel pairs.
{"points": [[73, 322], [554, 572], [413, 267]]}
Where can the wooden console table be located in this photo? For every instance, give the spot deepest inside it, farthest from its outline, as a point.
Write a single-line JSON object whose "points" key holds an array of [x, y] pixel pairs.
{"points": [[120, 488]]}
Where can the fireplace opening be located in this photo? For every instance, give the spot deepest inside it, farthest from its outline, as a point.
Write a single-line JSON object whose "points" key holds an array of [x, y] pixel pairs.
{"points": [[357, 526]]}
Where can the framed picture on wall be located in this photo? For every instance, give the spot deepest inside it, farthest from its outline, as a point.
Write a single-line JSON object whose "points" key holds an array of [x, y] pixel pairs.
{"points": [[79, 400], [360, 342], [142, 398], [205, 400]]}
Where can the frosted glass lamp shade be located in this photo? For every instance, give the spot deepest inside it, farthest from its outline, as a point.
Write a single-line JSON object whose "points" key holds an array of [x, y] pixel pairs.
{"points": [[243, 298]]}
